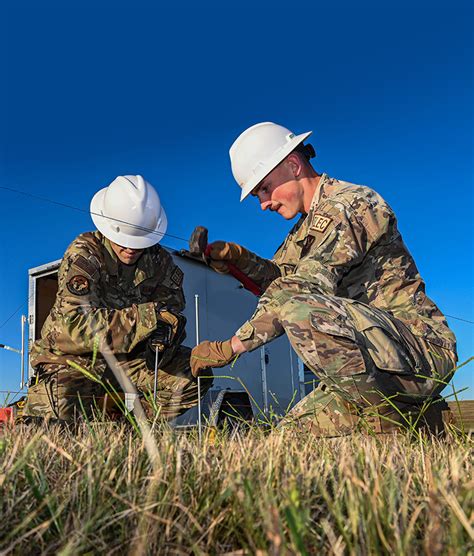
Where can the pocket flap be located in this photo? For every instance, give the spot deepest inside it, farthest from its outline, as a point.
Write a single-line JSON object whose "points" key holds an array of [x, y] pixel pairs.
{"points": [[329, 324], [382, 341], [363, 321]]}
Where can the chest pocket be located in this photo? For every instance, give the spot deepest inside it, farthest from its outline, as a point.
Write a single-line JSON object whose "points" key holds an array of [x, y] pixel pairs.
{"points": [[147, 290]]}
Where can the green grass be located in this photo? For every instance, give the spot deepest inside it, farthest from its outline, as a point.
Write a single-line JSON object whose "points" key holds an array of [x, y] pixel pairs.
{"points": [[96, 491]]}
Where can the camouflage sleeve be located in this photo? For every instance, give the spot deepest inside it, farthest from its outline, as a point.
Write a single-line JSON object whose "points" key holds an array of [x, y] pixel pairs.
{"points": [[339, 236], [261, 271], [81, 317], [265, 271]]}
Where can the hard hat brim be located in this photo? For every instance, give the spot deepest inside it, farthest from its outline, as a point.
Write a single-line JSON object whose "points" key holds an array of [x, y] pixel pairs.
{"points": [[280, 155], [103, 224]]}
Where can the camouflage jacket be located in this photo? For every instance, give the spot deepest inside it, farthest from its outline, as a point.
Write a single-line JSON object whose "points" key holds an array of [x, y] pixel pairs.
{"points": [[100, 296], [348, 245]]}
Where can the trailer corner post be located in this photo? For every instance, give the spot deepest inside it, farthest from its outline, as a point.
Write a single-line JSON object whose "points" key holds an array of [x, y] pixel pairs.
{"points": [[22, 371]]}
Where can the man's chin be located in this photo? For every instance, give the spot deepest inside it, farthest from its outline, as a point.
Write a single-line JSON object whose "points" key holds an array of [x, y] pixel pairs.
{"points": [[130, 260], [285, 213]]}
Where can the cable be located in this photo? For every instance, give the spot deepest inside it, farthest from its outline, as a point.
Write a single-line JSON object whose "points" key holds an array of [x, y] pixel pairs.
{"points": [[458, 318], [14, 313], [64, 205], [12, 392], [46, 200]]}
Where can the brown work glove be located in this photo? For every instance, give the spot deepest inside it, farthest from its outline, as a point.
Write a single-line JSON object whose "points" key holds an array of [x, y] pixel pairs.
{"points": [[211, 354], [169, 333], [222, 252], [174, 322]]}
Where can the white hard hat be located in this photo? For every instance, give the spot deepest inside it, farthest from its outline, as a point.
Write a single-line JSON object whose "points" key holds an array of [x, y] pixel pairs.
{"points": [[258, 150], [129, 213]]}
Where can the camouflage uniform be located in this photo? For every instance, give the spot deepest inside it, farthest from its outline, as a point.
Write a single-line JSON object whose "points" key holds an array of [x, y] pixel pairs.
{"points": [[101, 299], [346, 291]]}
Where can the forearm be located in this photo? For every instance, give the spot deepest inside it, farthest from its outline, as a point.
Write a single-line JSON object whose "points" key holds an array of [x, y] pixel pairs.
{"points": [[122, 330], [260, 270]]}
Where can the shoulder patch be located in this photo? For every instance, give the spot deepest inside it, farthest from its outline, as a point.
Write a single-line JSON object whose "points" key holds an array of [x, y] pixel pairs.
{"points": [[86, 266], [78, 285], [177, 276], [320, 223]]}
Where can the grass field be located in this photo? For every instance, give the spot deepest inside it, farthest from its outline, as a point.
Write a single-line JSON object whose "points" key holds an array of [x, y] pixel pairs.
{"points": [[96, 491]]}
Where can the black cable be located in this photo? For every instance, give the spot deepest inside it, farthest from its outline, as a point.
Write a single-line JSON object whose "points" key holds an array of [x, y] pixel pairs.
{"points": [[458, 318], [46, 200], [64, 205], [14, 313]]}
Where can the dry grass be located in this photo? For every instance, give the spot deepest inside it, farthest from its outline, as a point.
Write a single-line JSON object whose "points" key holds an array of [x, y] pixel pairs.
{"points": [[95, 491]]}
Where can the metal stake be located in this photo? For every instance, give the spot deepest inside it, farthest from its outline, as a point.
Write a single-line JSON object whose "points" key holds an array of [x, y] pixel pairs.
{"points": [[292, 370], [301, 378], [196, 306], [263, 365], [199, 410], [155, 384]]}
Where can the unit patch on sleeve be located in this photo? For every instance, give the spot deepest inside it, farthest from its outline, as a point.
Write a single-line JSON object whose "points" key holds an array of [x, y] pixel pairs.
{"points": [[78, 285], [177, 277], [320, 223]]}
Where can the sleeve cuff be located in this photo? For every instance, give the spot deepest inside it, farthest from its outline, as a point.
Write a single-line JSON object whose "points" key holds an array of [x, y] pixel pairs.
{"points": [[247, 335]]}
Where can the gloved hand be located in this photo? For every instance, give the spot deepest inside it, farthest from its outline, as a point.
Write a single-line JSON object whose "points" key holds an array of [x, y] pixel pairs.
{"points": [[222, 252], [169, 333], [176, 323], [211, 354]]}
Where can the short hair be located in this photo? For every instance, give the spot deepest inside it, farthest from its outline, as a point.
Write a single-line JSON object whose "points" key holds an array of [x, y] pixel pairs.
{"points": [[307, 151]]}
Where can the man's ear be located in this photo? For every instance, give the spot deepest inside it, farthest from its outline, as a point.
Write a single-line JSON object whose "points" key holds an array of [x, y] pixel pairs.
{"points": [[295, 165]]}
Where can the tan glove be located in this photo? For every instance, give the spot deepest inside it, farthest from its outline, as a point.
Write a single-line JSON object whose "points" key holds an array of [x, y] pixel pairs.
{"points": [[211, 354], [222, 252], [169, 333], [175, 321]]}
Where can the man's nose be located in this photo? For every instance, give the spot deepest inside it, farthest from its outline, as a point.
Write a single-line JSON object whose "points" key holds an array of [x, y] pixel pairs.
{"points": [[264, 205]]}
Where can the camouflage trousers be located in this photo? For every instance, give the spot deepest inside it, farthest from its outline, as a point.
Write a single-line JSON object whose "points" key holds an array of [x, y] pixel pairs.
{"points": [[374, 373], [64, 392]]}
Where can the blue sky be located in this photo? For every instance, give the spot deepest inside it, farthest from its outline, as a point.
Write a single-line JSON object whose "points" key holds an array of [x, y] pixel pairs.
{"points": [[89, 93]]}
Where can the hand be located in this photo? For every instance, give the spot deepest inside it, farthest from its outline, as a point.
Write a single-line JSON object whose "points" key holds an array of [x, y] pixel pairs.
{"points": [[222, 252], [174, 322], [169, 333], [211, 354]]}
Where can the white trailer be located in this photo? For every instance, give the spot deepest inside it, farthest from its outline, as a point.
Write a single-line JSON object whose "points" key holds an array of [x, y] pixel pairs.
{"points": [[216, 305]]}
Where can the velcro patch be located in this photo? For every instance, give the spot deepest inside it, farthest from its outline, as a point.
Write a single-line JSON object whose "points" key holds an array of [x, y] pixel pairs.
{"points": [[320, 223], [83, 264], [245, 332], [177, 276], [308, 242], [78, 285]]}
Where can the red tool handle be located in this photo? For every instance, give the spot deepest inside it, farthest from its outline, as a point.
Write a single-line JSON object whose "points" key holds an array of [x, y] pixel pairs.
{"points": [[246, 282]]}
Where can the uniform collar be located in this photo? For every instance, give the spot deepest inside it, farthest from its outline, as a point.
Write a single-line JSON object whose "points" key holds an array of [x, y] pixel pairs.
{"points": [[305, 225], [111, 260]]}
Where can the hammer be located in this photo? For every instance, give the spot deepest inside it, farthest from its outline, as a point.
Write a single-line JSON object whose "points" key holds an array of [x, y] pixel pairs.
{"points": [[198, 246]]}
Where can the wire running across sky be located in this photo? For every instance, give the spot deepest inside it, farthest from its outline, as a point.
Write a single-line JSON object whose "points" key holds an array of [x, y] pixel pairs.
{"points": [[78, 209]]}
